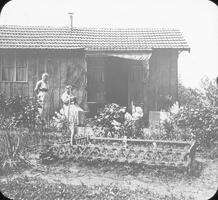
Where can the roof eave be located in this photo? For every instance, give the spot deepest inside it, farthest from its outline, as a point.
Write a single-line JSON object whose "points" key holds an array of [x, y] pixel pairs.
{"points": [[40, 48], [178, 49], [88, 51]]}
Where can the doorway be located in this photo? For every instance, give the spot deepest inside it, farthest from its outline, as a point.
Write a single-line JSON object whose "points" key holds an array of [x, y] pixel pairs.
{"points": [[116, 81]]}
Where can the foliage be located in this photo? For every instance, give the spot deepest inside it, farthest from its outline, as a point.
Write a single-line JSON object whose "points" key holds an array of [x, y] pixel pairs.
{"points": [[18, 112], [17, 116], [59, 122], [213, 153], [208, 93], [197, 118], [49, 155], [201, 121], [36, 188], [189, 96], [12, 148], [114, 121], [166, 131], [210, 90], [110, 120]]}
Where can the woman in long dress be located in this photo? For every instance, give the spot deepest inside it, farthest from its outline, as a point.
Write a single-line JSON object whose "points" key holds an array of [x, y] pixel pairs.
{"points": [[41, 90]]}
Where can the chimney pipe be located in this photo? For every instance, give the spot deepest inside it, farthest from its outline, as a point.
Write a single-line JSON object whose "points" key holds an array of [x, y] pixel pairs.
{"points": [[71, 20]]}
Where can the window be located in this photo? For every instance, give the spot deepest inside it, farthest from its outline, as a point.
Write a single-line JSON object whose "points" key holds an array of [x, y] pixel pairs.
{"points": [[21, 69], [7, 68], [13, 68]]}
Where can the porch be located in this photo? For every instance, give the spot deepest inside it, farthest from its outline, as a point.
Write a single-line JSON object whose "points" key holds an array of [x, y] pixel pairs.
{"points": [[117, 78]]}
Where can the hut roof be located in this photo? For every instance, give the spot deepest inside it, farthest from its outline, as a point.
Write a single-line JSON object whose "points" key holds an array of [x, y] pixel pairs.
{"points": [[91, 39]]}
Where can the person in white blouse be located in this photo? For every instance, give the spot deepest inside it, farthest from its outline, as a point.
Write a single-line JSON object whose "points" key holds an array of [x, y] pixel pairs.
{"points": [[71, 110], [41, 90]]}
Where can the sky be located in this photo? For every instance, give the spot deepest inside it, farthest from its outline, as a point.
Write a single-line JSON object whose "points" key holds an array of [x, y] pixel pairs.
{"points": [[197, 20]]}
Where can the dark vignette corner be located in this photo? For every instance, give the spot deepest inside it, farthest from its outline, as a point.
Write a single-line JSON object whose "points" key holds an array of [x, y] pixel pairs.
{"points": [[214, 1], [3, 3]]}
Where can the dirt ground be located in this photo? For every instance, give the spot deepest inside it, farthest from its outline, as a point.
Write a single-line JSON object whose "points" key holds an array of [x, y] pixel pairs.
{"points": [[163, 182]]}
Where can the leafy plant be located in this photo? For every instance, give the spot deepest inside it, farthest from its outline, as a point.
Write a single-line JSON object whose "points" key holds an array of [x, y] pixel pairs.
{"points": [[17, 117], [12, 148], [110, 120], [197, 117], [59, 122], [114, 121], [189, 96], [210, 90], [18, 112], [202, 121]]}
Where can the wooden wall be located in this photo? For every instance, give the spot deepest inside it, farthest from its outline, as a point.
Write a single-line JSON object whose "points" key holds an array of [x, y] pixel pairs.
{"points": [[63, 66], [137, 79], [96, 79], [69, 67], [163, 78]]}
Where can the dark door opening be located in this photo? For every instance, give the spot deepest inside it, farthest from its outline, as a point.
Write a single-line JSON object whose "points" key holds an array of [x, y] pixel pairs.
{"points": [[116, 81]]}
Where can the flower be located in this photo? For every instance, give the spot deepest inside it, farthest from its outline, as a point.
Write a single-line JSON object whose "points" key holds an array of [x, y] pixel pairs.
{"points": [[138, 113], [115, 123], [123, 109], [128, 117]]}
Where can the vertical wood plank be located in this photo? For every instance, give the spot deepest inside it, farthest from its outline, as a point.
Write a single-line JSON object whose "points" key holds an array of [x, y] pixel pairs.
{"points": [[1, 68], [174, 75], [7, 88], [59, 83], [2, 87], [31, 75], [15, 63], [95, 76]]}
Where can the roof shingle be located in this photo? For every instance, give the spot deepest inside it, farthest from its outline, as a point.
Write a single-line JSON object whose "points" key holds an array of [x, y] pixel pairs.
{"points": [[91, 39]]}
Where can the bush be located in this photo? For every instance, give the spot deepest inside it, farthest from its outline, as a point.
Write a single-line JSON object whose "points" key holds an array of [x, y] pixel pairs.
{"points": [[210, 90], [199, 122], [59, 122], [18, 112], [110, 120], [12, 148], [197, 118], [114, 121], [189, 96], [202, 121], [17, 116]]}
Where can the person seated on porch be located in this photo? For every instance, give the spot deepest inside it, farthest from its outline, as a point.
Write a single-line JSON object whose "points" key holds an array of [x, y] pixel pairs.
{"points": [[71, 110], [41, 90]]}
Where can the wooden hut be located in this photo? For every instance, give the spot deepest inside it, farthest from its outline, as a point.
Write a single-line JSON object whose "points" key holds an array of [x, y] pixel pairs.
{"points": [[108, 65]]}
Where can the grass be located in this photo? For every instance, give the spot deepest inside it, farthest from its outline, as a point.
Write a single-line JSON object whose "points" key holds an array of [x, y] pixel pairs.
{"points": [[36, 188]]}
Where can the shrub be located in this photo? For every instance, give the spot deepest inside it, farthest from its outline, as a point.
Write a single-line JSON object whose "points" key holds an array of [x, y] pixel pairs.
{"points": [[18, 112], [12, 148], [17, 116], [197, 118], [189, 96], [210, 90], [202, 121], [114, 121], [199, 122], [59, 122], [110, 120]]}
